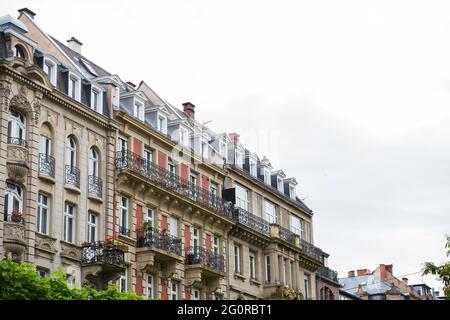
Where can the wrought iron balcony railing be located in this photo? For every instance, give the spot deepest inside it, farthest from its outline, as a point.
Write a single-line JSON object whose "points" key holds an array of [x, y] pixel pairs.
{"points": [[72, 176], [46, 165], [151, 237], [312, 251], [18, 142], [100, 252], [199, 255], [148, 169], [124, 231], [95, 186], [286, 235], [250, 220], [327, 273]]}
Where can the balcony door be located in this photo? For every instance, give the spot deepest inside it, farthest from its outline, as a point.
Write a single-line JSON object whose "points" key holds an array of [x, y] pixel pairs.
{"points": [[16, 128], [93, 162], [71, 153], [45, 146]]}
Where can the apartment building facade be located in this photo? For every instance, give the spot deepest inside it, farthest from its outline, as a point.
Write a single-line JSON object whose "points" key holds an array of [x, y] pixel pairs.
{"points": [[118, 186]]}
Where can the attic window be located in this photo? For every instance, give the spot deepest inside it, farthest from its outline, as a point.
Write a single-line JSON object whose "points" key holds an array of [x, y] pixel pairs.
{"points": [[162, 124], [292, 192], [139, 110], [252, 163], [74, 87], [50, 69], [267, 176], [184, 137], [223, 148], [239, 158], [96, 99], [280, 184]]}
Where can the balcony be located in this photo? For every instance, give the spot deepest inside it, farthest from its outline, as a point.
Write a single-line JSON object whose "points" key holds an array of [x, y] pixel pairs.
{"points": [[14, 241], [250, 220], [101, 263], [72, 176], [95, 186], [199, 256], [17, 158], [287, 235], [46, 166], [327, 273], [127, 160], [312, 251], [162, 241]]}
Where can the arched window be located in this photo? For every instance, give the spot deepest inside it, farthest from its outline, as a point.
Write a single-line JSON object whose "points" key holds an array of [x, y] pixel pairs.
{"points": [[71, 152], [326, 294], [13, 201], [19, 52], [93, 162], [17, 128]]}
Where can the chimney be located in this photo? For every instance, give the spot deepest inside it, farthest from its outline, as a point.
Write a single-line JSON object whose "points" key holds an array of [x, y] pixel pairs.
{"points": [[405, 280], [28, 12], [74, 44], [189, 109], [351, 274], [234, 137], [389, 268], [363, 272]]}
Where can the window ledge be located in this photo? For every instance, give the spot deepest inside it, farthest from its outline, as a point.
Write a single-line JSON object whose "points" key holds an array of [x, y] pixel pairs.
{"points": [[239, 276], [255, 282], [95, 198]]}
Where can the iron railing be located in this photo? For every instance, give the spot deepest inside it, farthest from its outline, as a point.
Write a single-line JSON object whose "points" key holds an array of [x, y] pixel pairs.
{"points": [[148, 169], [95, 186], [124, 231], [327, 273], [151, 237], [46, 165], [199, 255], [286, 235], [72, 176], [250, 220], [101, 252], [312, 251], [18, 142]]}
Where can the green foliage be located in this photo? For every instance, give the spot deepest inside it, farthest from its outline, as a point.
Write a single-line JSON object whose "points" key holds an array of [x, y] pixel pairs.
{"points": [[20, 281], [442, 271]]}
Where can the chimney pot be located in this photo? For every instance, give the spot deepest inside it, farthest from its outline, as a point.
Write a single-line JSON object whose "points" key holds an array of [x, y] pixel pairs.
{"points": [[189, 109], [28, 12], [351, 274], [234, 137], [75, 44], [131, 84]]}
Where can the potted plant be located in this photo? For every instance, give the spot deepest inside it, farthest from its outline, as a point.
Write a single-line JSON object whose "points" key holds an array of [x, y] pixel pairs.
{"points": [[16, 217]]}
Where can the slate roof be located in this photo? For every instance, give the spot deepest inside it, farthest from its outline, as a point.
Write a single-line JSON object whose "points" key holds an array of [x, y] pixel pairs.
{"points": [[82, 62], [369, 283]]}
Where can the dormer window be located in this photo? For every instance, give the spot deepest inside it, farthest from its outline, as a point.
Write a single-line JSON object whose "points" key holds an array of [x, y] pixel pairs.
{"points": [[223, 148], [74, 87], [204, 150], [162, 124], [50, 70], [252, 167], [239, 158], [96, 99], [139, 110], [292, 192], [116, 99], [266, 176], [280, 184], [184, 137]]}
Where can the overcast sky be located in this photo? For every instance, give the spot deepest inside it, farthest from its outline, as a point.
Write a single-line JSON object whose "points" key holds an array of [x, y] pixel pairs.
{"points": [[350, 97]]}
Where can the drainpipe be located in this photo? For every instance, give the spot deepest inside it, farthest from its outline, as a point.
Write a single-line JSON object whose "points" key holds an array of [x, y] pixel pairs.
{"points": [[228, 267]]}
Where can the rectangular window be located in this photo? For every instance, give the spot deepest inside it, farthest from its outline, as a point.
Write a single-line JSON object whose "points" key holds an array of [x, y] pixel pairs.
{"points": [[307, 285], [280, 184], [184, 137], [50, 70], [95, 100], [173, 226], [196, 294], [267, 268], [69, 223], [43, 212], [204, 150], [149, 217], [223, 148], [174, 291], [242, 197], [292, 192], [74, 87], [239, 158], [122, 144], [148, 155], [196, 238], [171, 167], [194, 178], [252, 261], [266, 176], [270, 214], [42, 272], [296, 225], [123, 215], [92, 227], [150, 287], [123, 281], [45, 146], [237, 259], [216, 245]]}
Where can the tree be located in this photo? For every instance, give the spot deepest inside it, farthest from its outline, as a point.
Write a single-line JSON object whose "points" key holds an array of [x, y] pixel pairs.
{"points": [[20, 281], [442, 271]]}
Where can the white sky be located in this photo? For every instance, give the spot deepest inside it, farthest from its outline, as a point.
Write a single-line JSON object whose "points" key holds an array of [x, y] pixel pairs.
{"points": [[352, 96]]}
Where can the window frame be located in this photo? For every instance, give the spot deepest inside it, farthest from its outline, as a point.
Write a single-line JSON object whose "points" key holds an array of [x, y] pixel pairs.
{"points": [[272, 219], [99, 92], [92, 225], [40, 207], [123, 209], [252, 265], [267, 270], [237, 258], [69, 216], [74, 93], [52, 71]]}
